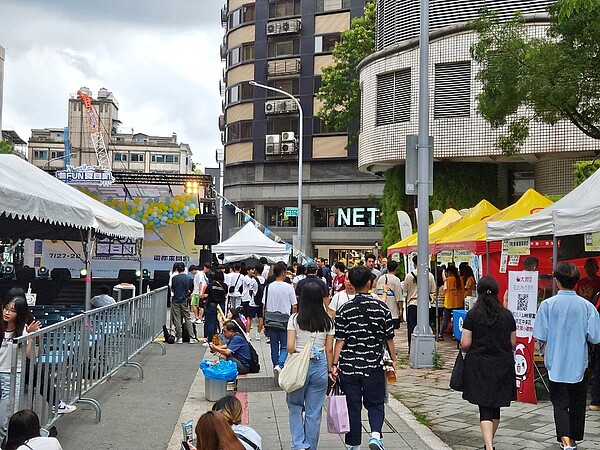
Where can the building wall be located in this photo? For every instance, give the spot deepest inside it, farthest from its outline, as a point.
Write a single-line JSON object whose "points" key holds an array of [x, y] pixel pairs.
{"points": [[258, 178]]}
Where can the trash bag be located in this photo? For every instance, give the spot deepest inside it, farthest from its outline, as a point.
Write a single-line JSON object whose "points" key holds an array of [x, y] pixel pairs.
{"points": [[221, 370]]}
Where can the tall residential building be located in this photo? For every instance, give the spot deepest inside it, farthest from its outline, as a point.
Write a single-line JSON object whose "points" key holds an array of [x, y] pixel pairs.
{"points": [[1, 82], [127, 151], [389, 110], [284, 44]]}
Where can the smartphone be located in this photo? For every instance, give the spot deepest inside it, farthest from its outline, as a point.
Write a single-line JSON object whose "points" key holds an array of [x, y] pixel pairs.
{"points": [[379, 291]]}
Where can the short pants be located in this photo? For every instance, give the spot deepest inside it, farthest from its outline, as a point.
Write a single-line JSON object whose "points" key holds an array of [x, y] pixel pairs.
{"points": [[254, 311]]}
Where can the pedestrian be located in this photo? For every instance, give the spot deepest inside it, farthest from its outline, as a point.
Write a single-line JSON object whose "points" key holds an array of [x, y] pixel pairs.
{"points": [[215, 296], [311, 277], [305, 405], [339, 268], [370, 259], [24, 433], [200, 285], [14, 315], [363, 331], [231, 408], [325, 272], [180, 287], [389, 289], [341, 297], [214, 433], [254, 306], [564, 324], [589, 286], [454, 297], [300, 274], [411, 287], [488, 338], [236, 349], [281, 298], [103, 299], [249, 288], [235, 282], [266, 268]]}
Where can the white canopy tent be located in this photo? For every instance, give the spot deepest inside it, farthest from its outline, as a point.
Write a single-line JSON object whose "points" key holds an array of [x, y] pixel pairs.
{"points": [[249, 242], [36, 205], [576, 213]]}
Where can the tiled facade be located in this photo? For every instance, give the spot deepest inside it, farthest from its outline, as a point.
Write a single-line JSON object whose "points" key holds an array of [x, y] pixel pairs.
{"points": [[460, 133], [285, 44]]}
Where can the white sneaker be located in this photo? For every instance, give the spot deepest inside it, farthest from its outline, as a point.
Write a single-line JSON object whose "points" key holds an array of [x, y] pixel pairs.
{"points": [[63, 408], [257, 337], [193, 341], [205, 344], [179, 341], [268, 340], [276, 372]]}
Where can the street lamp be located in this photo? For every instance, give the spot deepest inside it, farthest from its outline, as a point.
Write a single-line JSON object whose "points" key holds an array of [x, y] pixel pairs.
{"points": [[220, 157], [300, 139]]}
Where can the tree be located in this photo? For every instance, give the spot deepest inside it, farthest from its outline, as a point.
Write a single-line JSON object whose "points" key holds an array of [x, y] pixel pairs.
{"points": [[5, 147], [526, 80], [340, 89]]}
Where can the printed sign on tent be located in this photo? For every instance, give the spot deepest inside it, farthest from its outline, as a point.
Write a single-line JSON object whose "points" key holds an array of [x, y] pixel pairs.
{"points": [[520, 246], [592, 242]]}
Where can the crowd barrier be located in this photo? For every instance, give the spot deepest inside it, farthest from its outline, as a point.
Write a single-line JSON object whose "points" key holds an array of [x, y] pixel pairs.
{"points": [[65, 361]]}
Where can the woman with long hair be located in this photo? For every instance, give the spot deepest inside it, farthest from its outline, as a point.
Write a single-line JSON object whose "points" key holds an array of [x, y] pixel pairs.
{"points": [[214, 433], [454, 297], [310, 325], [216, 294], [468, 279], [488, 337], [24, 433], [14, 324], [232, 410]]}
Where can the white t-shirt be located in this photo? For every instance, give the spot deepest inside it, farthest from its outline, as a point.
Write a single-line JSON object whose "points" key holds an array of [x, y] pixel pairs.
{"points": [[257, 279], [234, 279], [265, 272], [248, 433], [303, 337], [297, 278], [41, 443], [280, 296], [6, 352], [250, 284], [339, 299], [199, 281]]}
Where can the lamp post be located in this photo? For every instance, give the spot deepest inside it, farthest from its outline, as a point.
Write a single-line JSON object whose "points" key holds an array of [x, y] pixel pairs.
{"points": [[220, 157], [300, 139]]}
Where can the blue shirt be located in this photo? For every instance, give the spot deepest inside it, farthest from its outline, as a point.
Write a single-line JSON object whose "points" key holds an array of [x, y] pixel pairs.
{"points": [[565, 322], [240, 349]]}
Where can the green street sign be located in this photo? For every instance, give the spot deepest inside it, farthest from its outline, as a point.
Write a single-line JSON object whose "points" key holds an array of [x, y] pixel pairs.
{"points": [[291, 212]]}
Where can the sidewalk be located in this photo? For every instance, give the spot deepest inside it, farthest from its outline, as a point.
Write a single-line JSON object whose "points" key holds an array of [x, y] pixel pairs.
{"points": [[267, 413], [456, 422]]}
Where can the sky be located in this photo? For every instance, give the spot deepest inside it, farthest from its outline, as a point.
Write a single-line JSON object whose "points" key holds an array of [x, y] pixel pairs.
{"points": [[160, 58]]}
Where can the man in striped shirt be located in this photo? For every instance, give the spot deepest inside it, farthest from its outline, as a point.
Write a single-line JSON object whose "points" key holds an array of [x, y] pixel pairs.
{"points": [[363, 330]]}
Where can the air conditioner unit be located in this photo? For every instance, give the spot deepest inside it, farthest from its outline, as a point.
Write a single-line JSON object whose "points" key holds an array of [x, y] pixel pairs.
{"points": [[288, 136], [290, 26], [224, 15], [272, 28], [271, 107], [288, 147], [272, 146], [222, 123], [281, 106], [291, 106], [285, 26]]}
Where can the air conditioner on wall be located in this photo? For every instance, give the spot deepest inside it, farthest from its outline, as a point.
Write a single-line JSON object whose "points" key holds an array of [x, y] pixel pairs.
{"points": [[273, 144], [287, 136], [288, 147], [271, 107], [272, 28]]}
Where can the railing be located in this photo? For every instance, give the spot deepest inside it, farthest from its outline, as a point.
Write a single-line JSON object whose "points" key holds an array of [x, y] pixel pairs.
{"points": [[65, 361]]}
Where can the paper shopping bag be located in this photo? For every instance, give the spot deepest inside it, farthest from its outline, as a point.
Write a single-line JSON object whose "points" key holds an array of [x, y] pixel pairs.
{"points": [[338, 421]]}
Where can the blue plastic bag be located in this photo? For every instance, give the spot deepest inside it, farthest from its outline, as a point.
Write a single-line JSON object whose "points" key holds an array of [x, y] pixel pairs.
{"points": [[223, 370]]}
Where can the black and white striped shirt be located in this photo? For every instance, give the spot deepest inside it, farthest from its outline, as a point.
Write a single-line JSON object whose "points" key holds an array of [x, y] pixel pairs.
{"points": [[364, 324]]}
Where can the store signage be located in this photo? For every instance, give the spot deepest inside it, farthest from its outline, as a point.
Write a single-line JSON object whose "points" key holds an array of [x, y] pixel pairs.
{"points": [[86, 174], [290, 212], [357, 217]]}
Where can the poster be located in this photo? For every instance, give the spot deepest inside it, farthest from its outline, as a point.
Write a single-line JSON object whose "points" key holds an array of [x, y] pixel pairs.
{"points": [[521, 246], [522, 302], [592, 242]]}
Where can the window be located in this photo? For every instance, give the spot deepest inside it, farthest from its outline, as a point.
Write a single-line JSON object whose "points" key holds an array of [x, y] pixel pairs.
{"points": [[239, 92], [165, 158], [136, 157], [240, 54], [317, 81], [280, 125], [284, 48], [40, 154], [332, 5], [55, 154], [241, 15], [283, 8], [452, 96], [276, 218], [289, 85], [320, 127], [239, 130], [241, 219], [120, 156], [393, 97], [326, 42]]}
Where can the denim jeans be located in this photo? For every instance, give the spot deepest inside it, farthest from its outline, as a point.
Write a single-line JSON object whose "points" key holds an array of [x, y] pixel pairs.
{"points": [[411, 322], [278, 347], [368, 391], [4, 413], [445, 321], [308, 400]]}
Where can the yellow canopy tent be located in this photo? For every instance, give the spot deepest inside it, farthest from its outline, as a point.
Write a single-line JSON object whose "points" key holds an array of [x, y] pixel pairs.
{"points": [[472, 236]]}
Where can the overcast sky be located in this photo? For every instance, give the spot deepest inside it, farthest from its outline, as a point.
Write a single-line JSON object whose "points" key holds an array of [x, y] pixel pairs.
{"points": [[160, 58]]}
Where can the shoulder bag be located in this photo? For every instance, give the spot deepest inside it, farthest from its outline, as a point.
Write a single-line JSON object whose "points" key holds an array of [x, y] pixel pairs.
{"points": [[295, 370], [275, 320], [458, 373]]}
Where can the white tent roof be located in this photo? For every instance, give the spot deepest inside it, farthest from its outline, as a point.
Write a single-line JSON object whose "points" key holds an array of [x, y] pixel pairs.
{"points": [[34, 204], [577, 212], [249, 242]]}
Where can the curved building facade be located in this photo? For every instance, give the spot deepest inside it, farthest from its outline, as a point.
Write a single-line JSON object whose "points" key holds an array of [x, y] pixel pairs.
{"points": [[389, 82]]}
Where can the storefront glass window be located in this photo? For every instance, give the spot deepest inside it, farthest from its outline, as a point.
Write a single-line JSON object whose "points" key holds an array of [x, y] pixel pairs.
{"points": [[276, 218], [347, 216]]}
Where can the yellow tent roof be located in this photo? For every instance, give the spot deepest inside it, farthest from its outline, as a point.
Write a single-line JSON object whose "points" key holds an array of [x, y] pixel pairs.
{"points": [[449, 217], [529, 203], [482, 211]]}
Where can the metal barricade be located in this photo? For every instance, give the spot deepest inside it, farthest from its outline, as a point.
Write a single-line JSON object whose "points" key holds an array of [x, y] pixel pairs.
{"points": [[65, 361]]}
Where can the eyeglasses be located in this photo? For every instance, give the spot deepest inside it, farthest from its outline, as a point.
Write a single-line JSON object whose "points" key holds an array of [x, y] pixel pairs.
{"points": [[6, 309]]}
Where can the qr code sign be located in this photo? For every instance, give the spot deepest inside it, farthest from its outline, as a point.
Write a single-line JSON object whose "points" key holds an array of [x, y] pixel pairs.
{"points": [[522, 302]]}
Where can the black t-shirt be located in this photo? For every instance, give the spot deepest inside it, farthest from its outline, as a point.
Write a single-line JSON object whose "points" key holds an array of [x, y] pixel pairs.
{"points": [[216, 293], [312, 279]]}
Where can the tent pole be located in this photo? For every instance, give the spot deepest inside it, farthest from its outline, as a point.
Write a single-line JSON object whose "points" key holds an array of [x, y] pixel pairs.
{"points": [[487, 257], [554, 261], [139, 244], [88, 273]]}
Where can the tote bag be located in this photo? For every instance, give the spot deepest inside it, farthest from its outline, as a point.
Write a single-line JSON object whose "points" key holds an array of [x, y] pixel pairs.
{"points": [[338, 421], [293, 375], [458, 373]]}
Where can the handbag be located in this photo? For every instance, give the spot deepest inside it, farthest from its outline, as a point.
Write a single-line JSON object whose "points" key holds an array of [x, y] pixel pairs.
{"points": [[295, 369], [275, 320], [458, 373], [338, 421]]}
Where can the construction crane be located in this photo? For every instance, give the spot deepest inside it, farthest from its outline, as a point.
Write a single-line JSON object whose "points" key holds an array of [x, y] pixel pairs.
{"points": [[95, 131]]}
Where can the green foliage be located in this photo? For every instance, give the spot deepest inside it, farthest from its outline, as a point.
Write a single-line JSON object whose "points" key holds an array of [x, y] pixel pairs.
{"points": [[393, 200], [438, 360], [584, 169], [340, 89], [543, 80], [5, 147]]}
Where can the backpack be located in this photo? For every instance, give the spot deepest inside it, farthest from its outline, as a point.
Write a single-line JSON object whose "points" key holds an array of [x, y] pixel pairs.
{"points": [[260, 292], [254, 364]]}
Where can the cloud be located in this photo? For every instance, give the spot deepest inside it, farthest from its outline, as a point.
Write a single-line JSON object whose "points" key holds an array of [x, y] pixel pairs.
{"points": [[159, 58]]}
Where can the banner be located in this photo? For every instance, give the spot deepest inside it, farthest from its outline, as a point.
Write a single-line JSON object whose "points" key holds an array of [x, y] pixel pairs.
{"points": [[405, 224], [522, 302]]}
